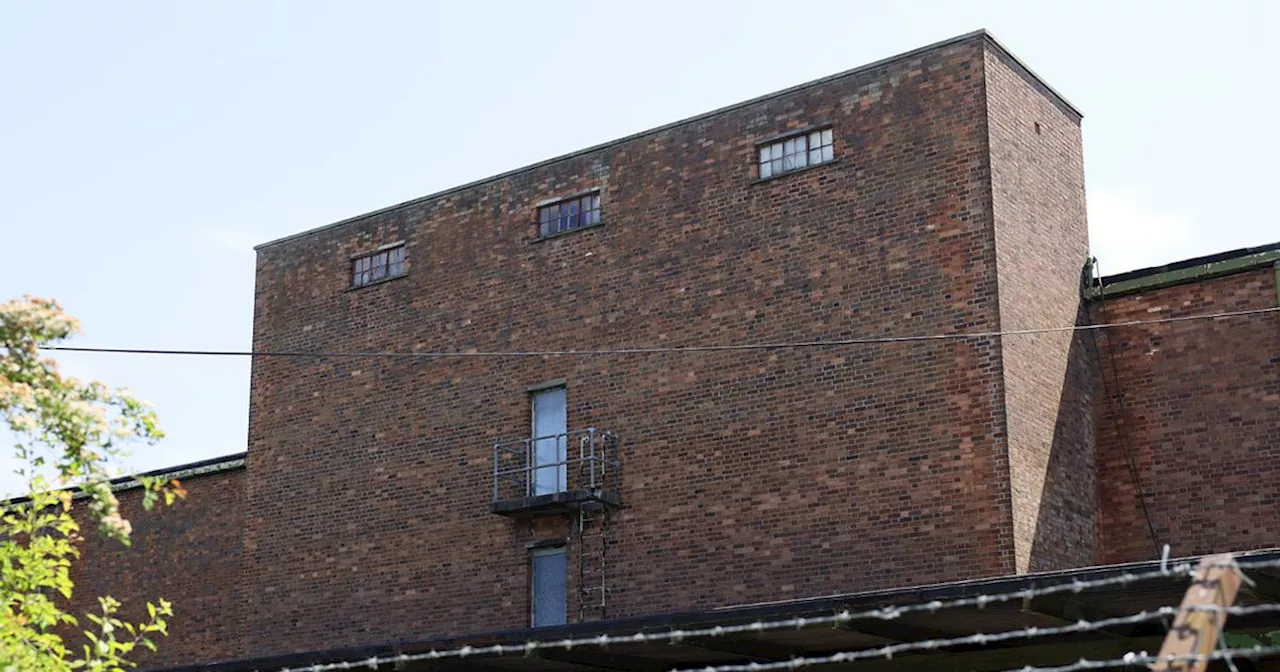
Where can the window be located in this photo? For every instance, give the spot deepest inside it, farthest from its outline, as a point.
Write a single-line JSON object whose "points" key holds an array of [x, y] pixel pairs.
{"points": [[807, 149], [574, 213], [550, 422], [548, 576], [381, 265]]}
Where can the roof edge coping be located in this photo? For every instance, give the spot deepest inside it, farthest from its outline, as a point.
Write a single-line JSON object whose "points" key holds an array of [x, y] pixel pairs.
{"points": [[1185, 271], [213, 465], [1037, 79]]}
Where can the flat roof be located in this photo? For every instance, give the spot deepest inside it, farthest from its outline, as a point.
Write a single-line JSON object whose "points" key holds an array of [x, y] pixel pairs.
{"points": [[975, 35], [1187, 270], [213, 465], [1133, 587]]}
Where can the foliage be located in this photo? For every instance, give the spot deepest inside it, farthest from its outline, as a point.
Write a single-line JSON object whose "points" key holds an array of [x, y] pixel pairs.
{"points": [[67, 433], [1236, 640]]}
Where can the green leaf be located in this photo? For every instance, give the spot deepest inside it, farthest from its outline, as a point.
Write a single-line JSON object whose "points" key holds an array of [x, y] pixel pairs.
{"points": [[1237, 640], [68, 432]]}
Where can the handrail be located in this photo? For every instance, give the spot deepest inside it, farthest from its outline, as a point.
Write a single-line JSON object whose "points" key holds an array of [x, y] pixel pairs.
{"points": [[518, 473]]}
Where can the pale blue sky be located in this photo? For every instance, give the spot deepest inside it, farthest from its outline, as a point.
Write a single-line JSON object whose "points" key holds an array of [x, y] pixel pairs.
{"points": [[146, 147]]}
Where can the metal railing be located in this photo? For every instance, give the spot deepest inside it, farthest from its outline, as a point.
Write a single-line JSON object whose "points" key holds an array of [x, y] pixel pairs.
{"points": [[579, 460]]}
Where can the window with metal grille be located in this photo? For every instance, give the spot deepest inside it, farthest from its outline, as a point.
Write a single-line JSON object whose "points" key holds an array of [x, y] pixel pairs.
{"points": [[794, 153], [381, 265], [570, 214]]}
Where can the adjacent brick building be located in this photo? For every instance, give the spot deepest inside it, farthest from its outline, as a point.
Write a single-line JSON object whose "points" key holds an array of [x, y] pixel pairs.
{"points": [[189, 554], [939, 192], [1191, 418]]}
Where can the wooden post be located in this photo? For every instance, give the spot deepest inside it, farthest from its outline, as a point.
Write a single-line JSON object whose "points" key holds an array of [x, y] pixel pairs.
{"points": [[1196, 631]]}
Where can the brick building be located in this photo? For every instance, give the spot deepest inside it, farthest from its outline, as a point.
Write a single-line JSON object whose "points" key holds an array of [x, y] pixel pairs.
{"points": [[391, 500]]}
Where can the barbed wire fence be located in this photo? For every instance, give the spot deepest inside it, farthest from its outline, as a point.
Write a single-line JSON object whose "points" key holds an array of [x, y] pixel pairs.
{"points": [[1195, 628]]}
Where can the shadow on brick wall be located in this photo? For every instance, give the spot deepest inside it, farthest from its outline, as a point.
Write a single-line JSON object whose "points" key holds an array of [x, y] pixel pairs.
{"points": [[1065, 528]]}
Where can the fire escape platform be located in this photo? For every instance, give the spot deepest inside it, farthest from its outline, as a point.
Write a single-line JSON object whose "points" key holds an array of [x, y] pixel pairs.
{"points": [[553, 504], [556, 475]]}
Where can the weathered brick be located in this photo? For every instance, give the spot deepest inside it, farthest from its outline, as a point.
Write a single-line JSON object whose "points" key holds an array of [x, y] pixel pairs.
{"points": [[749, 476], [1037, 184], [955, 204], [1192, 413], [188, 554]]}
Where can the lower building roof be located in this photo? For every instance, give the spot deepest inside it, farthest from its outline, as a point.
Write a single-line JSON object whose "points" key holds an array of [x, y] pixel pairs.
{"points": [[1187, 270], [916, 634]]}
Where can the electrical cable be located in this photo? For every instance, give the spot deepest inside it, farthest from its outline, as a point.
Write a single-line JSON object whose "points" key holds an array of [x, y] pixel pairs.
{"points": [[1120, 423], [676, 349]]}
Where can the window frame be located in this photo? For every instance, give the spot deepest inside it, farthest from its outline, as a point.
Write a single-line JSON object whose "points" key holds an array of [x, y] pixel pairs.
{"points": [[577, 201], [557, 548], [785, 152], [393, 255]]}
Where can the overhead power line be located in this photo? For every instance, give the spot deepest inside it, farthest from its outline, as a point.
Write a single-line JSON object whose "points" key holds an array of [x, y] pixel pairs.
{"points": [[674, 349], [1120, 424]]}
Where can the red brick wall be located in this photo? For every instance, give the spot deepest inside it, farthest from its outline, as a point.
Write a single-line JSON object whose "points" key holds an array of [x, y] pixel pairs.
{"points": [[955, 204], [1037, 186], [188, 554], [749, 476], [1201, 412]]}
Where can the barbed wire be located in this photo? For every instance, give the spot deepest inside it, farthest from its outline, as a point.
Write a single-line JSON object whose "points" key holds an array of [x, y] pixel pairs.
{"points": [[1238, 611], [892, 612], [1142, 658], [1133, 658], [1166, 569], [870, 340], [891, 650], [888, 652]]}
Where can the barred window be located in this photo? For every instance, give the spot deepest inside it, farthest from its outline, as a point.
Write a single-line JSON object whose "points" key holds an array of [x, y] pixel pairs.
{"points": [[381, 265], [794, 153], [567, 215]]}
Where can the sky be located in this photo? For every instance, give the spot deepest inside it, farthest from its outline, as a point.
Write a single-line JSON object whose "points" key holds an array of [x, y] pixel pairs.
{"points": [[145, 148]]}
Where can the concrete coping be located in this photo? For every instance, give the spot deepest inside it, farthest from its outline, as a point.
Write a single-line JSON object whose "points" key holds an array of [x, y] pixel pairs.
{"points": [[981, 35], [215, 465], [1187, 270]]}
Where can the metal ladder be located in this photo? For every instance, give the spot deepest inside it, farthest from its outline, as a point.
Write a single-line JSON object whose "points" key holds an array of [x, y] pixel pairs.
{"points": [[593, 543]]}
